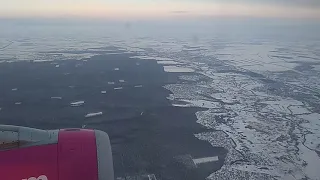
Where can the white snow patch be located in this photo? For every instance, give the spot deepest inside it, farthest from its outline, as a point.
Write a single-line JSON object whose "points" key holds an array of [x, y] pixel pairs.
{"points": [[103, 92], [138, 86], [57, 66], [225, 97], [190, 78], [255, 169], [283, 106], [18, 103], [298, 110], [56, 97], [257, 58], [14, 89], [202, 103], [110, 82], [118, 88], [270, 67], [116, 69], [122, 81]]}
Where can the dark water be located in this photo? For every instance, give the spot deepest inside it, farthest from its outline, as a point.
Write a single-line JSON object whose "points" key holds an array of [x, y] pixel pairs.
{"points": [[148, 135]]}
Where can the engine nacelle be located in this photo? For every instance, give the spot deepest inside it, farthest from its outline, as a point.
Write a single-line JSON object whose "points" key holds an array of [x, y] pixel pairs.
{"points": [[67, 154]]}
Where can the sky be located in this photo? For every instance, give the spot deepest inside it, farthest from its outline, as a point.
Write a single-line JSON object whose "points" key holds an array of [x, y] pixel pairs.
{"points": [[150, 9]]}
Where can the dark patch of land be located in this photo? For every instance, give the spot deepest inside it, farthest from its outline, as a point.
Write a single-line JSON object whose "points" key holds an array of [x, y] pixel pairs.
{"points": [[146, 132]]}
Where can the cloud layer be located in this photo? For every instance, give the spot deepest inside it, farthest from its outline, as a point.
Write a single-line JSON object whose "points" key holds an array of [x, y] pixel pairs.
{"points": [[160, 8]]}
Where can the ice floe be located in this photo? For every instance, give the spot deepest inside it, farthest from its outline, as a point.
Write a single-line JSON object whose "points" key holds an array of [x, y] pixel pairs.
{"points": [[38, 61], [177, 69], [77, 103], [151, 58], [168, 62], [93, 114]]}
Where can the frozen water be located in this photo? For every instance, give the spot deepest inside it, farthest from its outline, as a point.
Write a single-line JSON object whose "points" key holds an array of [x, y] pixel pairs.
{"points": [[205, 160], [168, 62], [152, 58], [177, 69], [36, 61], [77, 103], [93, 114], [311, 160]]}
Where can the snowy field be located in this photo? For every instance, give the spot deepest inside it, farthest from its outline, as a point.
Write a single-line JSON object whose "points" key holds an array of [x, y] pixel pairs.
{"points": [[259, 83]]}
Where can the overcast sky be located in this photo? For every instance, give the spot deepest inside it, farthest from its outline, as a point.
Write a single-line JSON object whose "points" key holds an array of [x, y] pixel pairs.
{"points": [[160, 8]]}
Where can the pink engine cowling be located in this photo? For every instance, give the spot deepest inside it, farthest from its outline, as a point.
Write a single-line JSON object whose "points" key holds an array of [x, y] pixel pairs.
{"points": [[69, 154]]}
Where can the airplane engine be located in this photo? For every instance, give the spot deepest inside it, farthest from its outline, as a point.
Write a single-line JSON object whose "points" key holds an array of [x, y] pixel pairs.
{"points": [[66, 154]]}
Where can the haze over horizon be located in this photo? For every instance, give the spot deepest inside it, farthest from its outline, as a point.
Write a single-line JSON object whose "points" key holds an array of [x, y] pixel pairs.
{"points": [[151, 9]]}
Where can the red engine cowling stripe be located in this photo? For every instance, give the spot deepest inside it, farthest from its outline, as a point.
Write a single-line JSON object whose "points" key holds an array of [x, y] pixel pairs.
{"points": [[77, 155]]}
